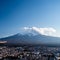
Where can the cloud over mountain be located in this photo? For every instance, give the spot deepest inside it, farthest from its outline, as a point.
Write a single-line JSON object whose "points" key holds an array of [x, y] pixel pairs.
{"points": [[44, 31]]}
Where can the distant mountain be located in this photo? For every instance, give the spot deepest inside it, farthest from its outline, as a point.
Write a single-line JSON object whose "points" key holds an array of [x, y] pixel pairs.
{"points": [[32, 39]]}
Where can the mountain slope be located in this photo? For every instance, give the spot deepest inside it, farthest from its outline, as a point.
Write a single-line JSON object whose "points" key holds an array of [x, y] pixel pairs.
{"points": [[31, 39]]}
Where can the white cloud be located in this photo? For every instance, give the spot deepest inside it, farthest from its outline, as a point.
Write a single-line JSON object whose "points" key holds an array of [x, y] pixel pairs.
{"points": [[44, 31], [27, 28]]}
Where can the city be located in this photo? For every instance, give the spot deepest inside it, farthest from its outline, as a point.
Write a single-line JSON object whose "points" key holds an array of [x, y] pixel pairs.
{"points": [[29, 53]]}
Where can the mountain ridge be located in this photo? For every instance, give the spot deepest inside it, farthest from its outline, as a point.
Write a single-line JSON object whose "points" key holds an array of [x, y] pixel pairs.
{"points": [[32, 39]]}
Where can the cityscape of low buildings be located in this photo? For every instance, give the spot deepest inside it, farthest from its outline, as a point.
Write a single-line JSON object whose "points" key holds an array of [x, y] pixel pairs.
{"points": [[29, 53]]}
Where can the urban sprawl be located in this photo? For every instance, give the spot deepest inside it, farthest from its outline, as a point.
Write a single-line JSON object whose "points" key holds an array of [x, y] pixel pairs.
{"points": [[29, 53]]}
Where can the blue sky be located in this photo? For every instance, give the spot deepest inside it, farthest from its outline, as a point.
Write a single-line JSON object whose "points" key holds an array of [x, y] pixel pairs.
{"points": [[15, 14]]}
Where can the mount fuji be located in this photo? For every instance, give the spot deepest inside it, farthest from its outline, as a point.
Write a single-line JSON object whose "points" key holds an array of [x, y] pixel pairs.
{"points": [[31, 39]]}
